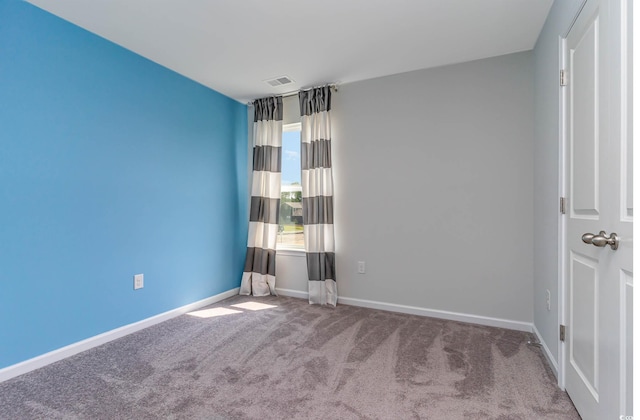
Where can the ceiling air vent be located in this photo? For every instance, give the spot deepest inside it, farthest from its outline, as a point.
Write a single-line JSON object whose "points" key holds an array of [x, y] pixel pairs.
{"points": [[279, 81]]}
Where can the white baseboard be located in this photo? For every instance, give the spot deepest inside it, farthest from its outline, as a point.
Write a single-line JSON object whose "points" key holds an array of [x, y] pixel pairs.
{"points": [[552, 360], [75, 348], [413, 310], [292, 293]]}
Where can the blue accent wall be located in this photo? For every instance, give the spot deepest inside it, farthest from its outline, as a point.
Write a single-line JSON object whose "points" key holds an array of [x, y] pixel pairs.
{"points": [[110, 165]]}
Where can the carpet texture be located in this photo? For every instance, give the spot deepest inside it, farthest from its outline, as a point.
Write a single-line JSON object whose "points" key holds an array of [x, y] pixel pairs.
{"points": [[240, 359]]}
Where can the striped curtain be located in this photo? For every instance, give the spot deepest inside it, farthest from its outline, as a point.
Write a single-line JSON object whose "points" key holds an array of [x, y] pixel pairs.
{"points": [[317, 194], [259, 276]]}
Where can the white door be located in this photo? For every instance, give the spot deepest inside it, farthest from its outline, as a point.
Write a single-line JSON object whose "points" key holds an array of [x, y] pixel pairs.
{"points": [[598, 278]]}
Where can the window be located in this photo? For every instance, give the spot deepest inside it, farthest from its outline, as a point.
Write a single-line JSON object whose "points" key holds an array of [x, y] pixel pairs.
{"points": [[290, 231]]}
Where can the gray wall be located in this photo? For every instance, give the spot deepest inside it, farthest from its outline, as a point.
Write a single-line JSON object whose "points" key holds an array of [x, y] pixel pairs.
{"points": [[433, 178], [434, 188], [547, 189], [291, 109]]}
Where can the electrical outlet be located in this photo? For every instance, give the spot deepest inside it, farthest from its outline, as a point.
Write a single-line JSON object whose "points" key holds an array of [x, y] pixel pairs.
{"points": [[360, 267], [138, 281], [548, 300]]}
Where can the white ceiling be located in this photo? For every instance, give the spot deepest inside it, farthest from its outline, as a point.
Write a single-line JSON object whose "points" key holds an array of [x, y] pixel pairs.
{"points": [[232, 46]]}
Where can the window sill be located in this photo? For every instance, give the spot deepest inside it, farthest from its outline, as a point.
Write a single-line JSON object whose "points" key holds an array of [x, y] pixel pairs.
{"points": [[290, 252]]}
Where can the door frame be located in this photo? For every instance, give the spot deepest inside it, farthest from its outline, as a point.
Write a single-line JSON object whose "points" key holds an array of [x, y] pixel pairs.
{"points": [[634, 21], [626, 21], [626, 131], [563, 189]]}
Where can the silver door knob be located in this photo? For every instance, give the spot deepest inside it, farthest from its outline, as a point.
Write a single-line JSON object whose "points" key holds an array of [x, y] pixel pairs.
{"points": [[601, 239]]}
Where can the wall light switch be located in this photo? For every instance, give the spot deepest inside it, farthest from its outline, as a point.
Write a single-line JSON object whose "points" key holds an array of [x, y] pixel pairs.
{"points": [[138, 281], [360, 267]]}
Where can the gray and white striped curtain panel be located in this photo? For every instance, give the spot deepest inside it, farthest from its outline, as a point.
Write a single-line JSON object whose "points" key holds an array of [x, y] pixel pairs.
{"points": [[259, 276], [317, 194]]}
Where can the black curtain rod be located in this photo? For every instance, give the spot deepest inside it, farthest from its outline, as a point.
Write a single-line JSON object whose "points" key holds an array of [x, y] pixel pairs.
{"points": [[333, 87]]}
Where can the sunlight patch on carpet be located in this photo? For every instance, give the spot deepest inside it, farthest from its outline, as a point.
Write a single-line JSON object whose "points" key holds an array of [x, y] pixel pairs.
{"points": [[254, 306]]}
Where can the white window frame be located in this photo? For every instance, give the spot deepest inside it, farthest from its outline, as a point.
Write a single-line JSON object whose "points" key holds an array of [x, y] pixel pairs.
{"points": [[297, 126]]}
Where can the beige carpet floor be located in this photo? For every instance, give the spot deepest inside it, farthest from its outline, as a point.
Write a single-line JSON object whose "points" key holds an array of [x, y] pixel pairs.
{"points": [[281, 358]]}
